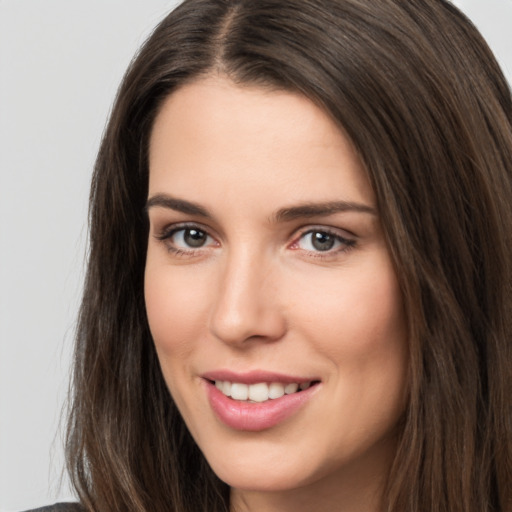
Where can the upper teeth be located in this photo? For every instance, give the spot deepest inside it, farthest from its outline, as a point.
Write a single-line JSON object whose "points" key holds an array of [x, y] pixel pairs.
{"points": [[259, 392]]}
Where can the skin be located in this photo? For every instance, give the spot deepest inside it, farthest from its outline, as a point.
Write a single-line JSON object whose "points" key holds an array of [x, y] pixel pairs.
{"points": [[258, 294]]}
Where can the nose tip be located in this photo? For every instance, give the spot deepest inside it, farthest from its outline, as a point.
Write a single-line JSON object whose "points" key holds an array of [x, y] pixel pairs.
{"points": [[247, 307]]}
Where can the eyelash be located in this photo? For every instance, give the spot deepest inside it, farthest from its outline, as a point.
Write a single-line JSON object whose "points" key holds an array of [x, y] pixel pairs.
{"points": [[345, 244], [168, 233]]}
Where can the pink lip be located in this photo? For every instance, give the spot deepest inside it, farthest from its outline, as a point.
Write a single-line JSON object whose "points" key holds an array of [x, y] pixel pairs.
{"points": [[255, 376], [240, 415]]}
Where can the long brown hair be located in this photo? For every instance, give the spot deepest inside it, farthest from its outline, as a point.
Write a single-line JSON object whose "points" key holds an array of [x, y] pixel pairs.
{"points": [[420, 94]]}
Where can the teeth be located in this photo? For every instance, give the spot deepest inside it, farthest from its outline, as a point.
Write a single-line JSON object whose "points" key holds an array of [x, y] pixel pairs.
{"points": [[226, 388], [260, 392], [276, 390], [239, 391], [291, 388]]}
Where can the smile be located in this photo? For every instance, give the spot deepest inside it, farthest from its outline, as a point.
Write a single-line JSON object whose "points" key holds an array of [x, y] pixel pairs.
{"points": [[257, 400], [259, 392]]}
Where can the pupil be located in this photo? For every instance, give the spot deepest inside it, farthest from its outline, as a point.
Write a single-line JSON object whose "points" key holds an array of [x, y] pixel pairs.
{"points": [[194, 237], [322, 241]]}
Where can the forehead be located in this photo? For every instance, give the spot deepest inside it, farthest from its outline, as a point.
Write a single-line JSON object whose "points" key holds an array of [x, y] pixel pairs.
{"points": [[212, 133]]}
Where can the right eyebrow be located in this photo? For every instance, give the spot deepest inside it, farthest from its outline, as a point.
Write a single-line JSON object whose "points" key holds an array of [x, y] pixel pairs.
{"points": [[308, 210], [179, 205]]}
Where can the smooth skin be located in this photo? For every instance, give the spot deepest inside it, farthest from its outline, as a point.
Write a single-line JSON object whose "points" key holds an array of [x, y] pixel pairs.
{"points": [[266, 252]]}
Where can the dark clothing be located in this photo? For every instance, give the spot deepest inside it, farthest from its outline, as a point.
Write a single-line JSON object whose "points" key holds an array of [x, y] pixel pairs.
{"points": [[60, 507]]}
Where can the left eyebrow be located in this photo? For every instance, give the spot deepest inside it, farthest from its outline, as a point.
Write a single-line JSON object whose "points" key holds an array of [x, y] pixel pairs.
{"points": [[308, 210], [179, 205]]}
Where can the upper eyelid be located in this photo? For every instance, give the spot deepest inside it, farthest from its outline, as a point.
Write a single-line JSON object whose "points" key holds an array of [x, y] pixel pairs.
{"points": [[297, 233], [345, 244], [341, 232], [168, 232], [169, 229]]}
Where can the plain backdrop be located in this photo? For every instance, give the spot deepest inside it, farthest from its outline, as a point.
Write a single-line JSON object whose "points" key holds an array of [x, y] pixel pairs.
{"points": [[60, 64]]}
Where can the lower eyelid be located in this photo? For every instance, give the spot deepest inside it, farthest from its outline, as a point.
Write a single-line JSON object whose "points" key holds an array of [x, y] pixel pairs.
{"points": [[166, 234]]}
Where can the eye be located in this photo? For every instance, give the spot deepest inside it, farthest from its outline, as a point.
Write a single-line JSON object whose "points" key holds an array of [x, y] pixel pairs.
{"points": [[192, 238], [320, 240], [183, 239]]}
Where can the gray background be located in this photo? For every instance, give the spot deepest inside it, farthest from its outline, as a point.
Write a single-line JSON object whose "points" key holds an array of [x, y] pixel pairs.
{"points": [[60, 64]]}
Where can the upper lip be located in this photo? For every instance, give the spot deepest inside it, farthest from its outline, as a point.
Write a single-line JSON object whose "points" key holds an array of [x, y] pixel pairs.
{"points": [[255, 376]]}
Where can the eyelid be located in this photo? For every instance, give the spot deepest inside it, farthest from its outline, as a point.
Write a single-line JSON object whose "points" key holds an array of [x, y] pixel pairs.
{"points": [[169, 229], [347, 239], [166, 233], [339, 232], [343, 232]]}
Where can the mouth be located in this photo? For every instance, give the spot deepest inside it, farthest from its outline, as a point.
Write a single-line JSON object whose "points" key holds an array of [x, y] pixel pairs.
{"points": [[261, 391], [257, 400]]}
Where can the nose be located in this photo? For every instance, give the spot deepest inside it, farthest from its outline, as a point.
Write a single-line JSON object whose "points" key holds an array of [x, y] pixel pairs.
{"points": [[246, 306]]}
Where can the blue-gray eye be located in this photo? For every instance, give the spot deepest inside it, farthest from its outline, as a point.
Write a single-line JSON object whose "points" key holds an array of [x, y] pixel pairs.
{"points": [[190, 238], [322, 241]]}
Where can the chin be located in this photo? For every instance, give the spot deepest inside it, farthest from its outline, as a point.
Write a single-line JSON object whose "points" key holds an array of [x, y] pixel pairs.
{"points": [[249, 477]]}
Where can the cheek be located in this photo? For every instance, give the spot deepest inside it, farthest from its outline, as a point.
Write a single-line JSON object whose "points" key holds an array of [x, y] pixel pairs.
{"points": [[176, 307], [358, 323], [363, 306], [174, 302], [365, 340]]}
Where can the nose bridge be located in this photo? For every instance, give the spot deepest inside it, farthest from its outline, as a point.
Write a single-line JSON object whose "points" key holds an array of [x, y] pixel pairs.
{"points": [[246, 305]]}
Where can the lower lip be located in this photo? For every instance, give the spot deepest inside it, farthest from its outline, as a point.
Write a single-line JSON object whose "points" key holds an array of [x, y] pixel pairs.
{"points": [[241, 415]]}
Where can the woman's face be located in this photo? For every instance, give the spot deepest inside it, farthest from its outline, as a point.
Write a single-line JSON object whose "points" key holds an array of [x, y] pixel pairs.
{"points": [[267, 271]]}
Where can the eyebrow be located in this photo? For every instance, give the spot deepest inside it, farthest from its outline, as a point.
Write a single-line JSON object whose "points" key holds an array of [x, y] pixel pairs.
{"points": [[179, 205], [306, 210]]}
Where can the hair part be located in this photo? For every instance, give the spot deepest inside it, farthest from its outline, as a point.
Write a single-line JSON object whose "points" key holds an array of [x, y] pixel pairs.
{"points": [[422, 98]]}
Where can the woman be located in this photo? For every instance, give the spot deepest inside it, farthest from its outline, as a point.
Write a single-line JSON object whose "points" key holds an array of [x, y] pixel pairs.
{"points": [[299, 286]]}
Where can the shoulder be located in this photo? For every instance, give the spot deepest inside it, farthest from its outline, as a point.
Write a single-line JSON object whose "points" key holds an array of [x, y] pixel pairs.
{"points": [[60, 507]]}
